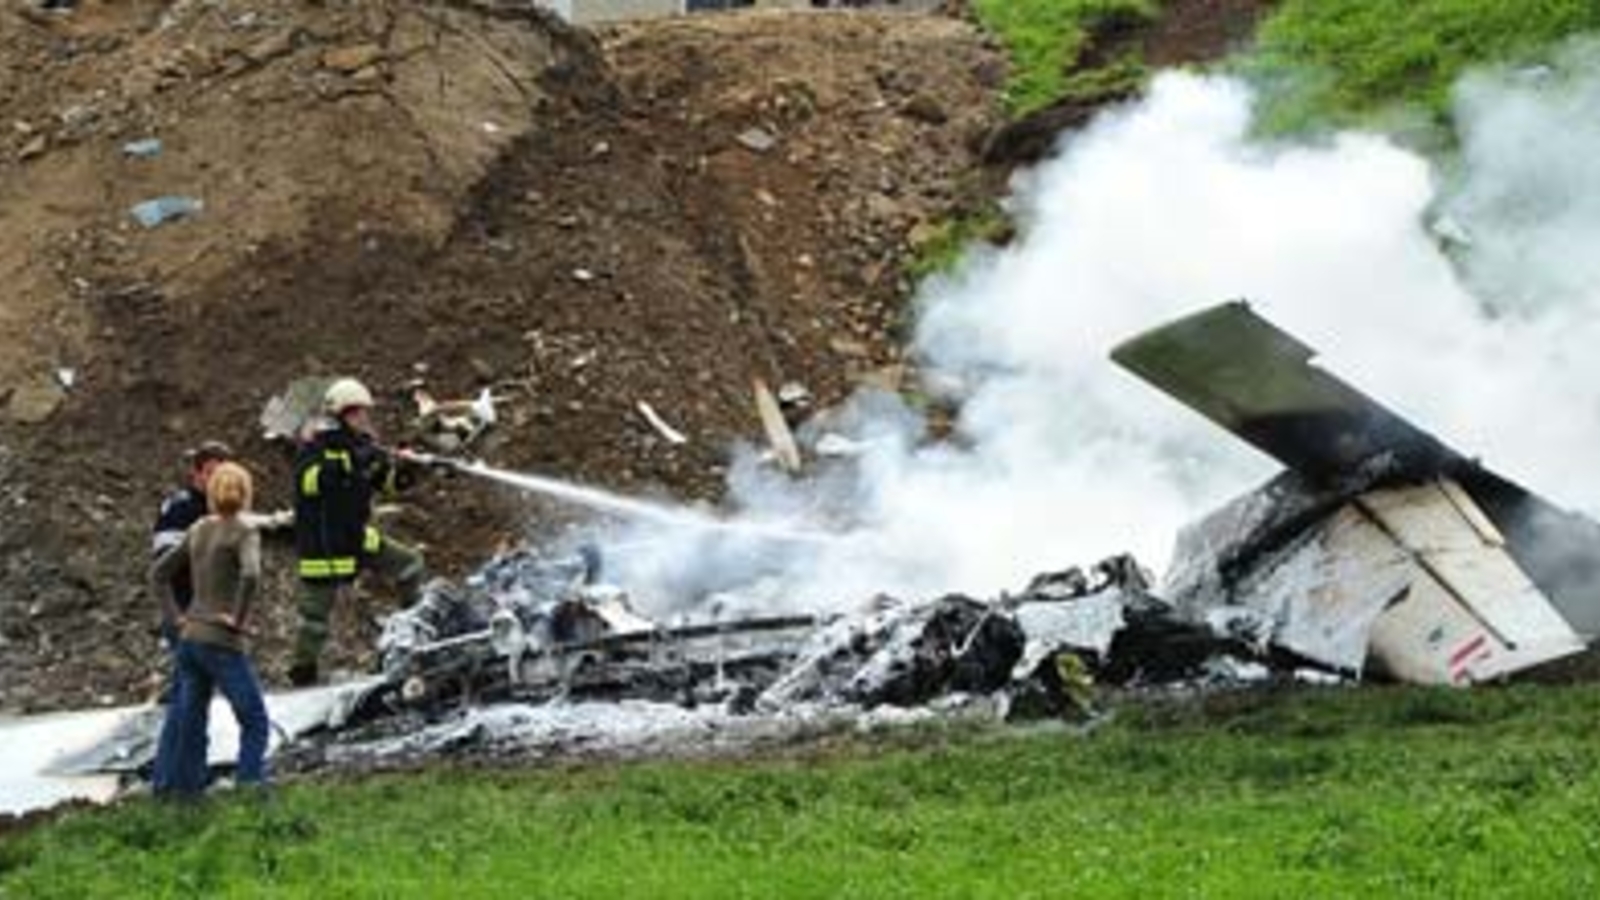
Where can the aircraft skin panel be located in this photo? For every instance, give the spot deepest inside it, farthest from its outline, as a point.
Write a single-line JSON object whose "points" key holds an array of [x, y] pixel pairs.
{"points": [[1430, 523]]}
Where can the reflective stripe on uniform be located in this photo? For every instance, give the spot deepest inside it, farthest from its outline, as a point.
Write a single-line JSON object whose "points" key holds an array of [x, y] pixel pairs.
{"points": [[372, 541], [342, 457], [337, 567], [309, 486]]}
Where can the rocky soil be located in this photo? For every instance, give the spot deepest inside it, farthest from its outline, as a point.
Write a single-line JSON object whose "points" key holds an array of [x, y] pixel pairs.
{"points": [[455, 189]]}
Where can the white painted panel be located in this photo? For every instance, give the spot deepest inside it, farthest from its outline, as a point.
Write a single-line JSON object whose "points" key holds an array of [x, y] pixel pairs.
{"points": [[1416, 639], [29, 745], [1440, 526], [1327, 592], [47, 759]]}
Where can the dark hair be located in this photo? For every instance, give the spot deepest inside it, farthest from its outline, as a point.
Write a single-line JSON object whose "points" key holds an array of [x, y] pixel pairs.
{"points": [[209, 451]]}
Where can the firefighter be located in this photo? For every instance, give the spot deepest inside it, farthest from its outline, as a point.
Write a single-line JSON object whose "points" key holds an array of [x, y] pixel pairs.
{"points": [[337, 474]]}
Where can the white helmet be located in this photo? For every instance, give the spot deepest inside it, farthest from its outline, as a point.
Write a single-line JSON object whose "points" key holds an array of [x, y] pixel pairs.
{"points": [[345, 394]]}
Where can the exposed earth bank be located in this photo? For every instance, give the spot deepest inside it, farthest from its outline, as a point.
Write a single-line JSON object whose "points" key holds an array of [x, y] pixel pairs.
{"points": [[466, 192], [460, 191]]}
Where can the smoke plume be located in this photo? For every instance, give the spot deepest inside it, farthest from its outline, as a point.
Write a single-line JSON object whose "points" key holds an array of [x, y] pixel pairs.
{"points": [[1156, 210]]}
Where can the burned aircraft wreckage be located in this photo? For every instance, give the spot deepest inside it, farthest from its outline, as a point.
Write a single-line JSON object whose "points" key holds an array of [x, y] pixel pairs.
{"points": [[1380, 546], [1379, 551]]}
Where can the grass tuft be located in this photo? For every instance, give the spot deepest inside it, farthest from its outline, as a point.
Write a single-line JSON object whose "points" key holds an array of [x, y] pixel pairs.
{"points": [[1334, 63], [1048, 38]]}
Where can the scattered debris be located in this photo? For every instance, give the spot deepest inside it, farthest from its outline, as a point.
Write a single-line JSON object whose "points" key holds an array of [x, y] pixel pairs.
{"points": [[451, 425], [34, 148], [395, 199], [533, 628], [145, 148], [779, 436], [538, 652], [795, 400], [757, 140], [672, 435], [157, 212], [291, 415]]}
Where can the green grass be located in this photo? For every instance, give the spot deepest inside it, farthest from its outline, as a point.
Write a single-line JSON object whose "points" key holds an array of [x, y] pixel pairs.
{"points": [[1339, 62], [1345, 793], [948, 241], [1047, 38]]}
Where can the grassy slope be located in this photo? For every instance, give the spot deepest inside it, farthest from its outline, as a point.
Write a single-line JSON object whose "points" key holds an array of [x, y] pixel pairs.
{"points": [[1045, 39], [1338, 61], [1344, 793], [1322, 64]]}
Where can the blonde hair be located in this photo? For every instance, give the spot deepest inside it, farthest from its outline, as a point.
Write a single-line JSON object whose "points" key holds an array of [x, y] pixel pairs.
{"points": [[229, 489]]}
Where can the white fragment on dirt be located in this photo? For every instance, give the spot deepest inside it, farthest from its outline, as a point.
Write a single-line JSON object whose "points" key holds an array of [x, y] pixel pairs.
{"points": [[758, 140], [672, 435], [34, 148]]}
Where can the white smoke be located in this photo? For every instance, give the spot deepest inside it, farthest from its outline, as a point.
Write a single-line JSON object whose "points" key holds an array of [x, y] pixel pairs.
{"points": [[1168, 206]]}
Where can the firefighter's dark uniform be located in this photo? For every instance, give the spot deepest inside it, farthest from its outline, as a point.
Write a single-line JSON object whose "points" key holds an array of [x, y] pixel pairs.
{"points": [[179, 510], [336, 477]]}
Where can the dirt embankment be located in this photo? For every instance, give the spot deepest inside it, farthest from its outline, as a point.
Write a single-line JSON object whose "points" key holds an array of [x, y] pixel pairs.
{"points": [[455, 188]]}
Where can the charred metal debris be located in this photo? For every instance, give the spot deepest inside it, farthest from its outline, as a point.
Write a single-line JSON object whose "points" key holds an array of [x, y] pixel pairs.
{"points": [[532, 629], [1379, 552]]}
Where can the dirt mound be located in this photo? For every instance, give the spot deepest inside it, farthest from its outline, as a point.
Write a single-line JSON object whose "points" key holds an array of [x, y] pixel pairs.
{"points": [[456, 188]]}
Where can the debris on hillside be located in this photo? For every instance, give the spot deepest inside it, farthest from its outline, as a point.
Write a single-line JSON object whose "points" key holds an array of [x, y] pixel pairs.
{"points": [[1380, 546], [533, 629], [565, 218], [1381, 552]]}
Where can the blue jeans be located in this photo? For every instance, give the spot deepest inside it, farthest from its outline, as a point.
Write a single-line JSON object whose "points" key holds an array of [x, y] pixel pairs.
{"points": [[166, 747], [203, 670]]}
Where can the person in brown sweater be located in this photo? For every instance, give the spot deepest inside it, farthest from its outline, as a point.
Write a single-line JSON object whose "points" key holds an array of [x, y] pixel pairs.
{"points": [[224, 558]]}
